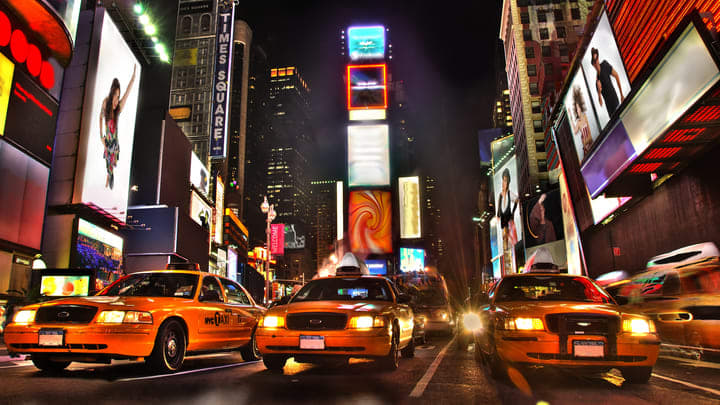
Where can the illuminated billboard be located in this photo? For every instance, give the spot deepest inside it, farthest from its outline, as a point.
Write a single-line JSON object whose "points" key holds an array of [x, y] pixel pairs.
{"points": [[64, 286], [218, 219], [108, 124], [412, 259], [6, 78], [339, 207], [409, 196], [602, 206], [377, 267], [367, 115], [366, 42], [98, 249], [294, 237], [277, 239], [581, 116], [369, 221], [573, 248], [367, 87], [221, 79], [200, 211], [542, 219], [199, 175], [368, 155], [509, 220]]}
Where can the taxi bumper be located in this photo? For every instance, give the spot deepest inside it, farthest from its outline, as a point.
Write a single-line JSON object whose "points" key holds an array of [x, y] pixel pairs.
{"points": [[114, 341], [351, 343]]}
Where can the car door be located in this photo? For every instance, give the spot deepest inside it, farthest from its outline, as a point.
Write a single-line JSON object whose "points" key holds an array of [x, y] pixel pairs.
{"points": [[214, 323], [244, 316]]}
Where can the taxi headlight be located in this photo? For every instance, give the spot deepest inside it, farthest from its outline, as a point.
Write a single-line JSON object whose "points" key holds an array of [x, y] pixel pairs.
{"points": [[524, 324], [273, 322], [471, 322], [25, 316], [638, 325], [111, 317], [138, 317], [366, 322]]}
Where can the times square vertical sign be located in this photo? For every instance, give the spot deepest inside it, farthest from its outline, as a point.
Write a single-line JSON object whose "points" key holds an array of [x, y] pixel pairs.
{"points": [[221, 78]]}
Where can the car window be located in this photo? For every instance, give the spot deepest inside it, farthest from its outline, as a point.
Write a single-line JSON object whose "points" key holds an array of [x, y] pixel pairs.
{"points": [[550, 288], [344, 289], [671, 286], [210, 283], [234, 293], [177, 285]]}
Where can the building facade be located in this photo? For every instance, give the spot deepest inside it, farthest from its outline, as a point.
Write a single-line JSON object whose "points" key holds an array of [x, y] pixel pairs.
{"points": [[432, 222]]}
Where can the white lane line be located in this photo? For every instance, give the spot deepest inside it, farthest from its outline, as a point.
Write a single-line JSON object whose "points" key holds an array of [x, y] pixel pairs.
{"points": [[425, 380], [200, 370], [691, 385]]}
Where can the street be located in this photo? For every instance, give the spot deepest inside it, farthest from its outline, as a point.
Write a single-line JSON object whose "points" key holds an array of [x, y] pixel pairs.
{"points": [[439, 373]]}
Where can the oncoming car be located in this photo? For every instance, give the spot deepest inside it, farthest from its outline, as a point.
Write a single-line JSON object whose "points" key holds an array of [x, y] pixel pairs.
{"points": [[336, 318], [156, 315], [566, 321]]}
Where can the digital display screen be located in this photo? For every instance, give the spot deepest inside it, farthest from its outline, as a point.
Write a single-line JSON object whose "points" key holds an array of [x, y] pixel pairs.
{"points": [[200, 211], [368, 155], [581, 116], [294, 237], [108, 129], [7, 68], [377, 267], [412, 259], [100, 250], [507, 211], [64, 286], [369, 221], [573, 248], [367, 87], [409, 195], [366, 42], [199, 175], [609, 159], [543, 219]]}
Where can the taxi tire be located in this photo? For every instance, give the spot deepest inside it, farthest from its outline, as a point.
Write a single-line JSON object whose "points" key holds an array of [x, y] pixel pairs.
{"points": [[250, 352], [274, 362], [409, 351], [45, 363], [637, 375], [391, 361], [171, 336]]}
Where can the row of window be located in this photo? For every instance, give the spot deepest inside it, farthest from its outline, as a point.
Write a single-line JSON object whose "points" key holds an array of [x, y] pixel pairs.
{"points": [[532, 70], [546, 51], [186, 24], [559, 15]]}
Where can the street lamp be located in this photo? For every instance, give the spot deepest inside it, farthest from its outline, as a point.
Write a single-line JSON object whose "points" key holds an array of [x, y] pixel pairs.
{"points": [[268, 209]]}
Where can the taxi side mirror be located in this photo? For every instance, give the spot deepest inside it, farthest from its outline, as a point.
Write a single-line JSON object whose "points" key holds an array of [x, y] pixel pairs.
{"points": [[403, 299], [210, 296]]}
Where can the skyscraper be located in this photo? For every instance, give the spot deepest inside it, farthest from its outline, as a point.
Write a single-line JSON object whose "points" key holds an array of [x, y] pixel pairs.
{"points": [[540, 38], [323, 223]]}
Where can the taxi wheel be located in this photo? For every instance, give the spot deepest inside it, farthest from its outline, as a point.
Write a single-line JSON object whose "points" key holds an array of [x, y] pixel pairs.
{"points": [[274, 362], [169, 351], [409, 350], [47, 364], [637, 375], [251, 351], [391, 361]]}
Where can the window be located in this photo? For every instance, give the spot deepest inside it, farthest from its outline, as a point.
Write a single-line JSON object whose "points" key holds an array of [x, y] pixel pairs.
{"points": [[575, 13], [525, 17], [544, 33], [210, 283], [535, 106], [186, 25], [561, 32], [559, 15], [205, 23], [534, 89], [529, 52], [546, 51], [539, 146], [563, 50], [537, 125], [532, 70], [542, 165], [235, 293], [542, 17], [548, 69], [527, 35]]}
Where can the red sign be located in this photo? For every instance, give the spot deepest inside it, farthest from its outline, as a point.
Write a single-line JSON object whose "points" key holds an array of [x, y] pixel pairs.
{"points": [[277, 239]]}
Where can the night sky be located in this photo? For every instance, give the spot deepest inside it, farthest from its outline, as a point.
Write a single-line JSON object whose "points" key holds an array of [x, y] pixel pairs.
{"points": [[445, 53]]}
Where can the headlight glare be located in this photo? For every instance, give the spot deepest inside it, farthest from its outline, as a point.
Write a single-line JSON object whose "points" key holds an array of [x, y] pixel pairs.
{"points": [[638, 325], [362, 322], [471, 322], [25, 316], [111, 317], [523, 324], [273, 322], [138, 317]]}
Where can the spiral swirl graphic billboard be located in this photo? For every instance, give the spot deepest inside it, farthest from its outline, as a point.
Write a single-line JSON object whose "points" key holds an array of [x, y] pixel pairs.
{"points": [[370, 224]]}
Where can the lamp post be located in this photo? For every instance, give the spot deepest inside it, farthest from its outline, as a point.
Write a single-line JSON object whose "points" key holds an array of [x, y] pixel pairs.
{"points": [[268, 209]]}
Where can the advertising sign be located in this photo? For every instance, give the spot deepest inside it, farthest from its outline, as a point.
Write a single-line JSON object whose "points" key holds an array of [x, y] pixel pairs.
{"points": [[277, 239], [339, 208], [199, 175], [108, 129], [219, 211], [543, 219], [64, 286], [232, 264], [98, 249], [509, 220], [368, 155], [581, 116], [367, 86], [494, 241], [377, 267], [6, 78], [609, 159], [573, 248], [366, 42], [602, 206], [294, 237], [409, 195], [200, 211], [412, 259], [221, 78], [501, 149], [369, 221]]}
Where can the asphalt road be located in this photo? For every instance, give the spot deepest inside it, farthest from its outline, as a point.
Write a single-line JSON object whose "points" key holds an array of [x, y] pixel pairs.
{"points": [[439, 374]]}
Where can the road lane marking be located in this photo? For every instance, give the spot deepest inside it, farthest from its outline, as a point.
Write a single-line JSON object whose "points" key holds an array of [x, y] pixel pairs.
{"points": [[200, 370], [425, 380], [691, 385]]}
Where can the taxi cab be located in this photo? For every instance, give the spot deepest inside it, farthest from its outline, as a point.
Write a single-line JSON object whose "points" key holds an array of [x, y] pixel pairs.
{"points": [[157, 315], [336, 318], [544, 318]]}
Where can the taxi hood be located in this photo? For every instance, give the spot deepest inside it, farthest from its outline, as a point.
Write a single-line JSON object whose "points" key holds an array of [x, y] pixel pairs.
{"points": [[109, 301], [541, 308], [334, 306]]}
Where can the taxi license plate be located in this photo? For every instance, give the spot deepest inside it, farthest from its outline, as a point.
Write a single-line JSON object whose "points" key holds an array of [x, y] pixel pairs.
{"points": [[51, 337], [589, 348], [312, 342]]}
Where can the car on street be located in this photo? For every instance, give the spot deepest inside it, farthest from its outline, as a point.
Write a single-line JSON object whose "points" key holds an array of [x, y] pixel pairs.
{"points": [[429, 300], [157, 315], [335, 318], [545, 318]]}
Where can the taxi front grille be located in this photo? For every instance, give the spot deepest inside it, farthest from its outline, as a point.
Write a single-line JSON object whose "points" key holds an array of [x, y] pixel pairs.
{"points": [[65, 314], [316, 321], [584, 324]]}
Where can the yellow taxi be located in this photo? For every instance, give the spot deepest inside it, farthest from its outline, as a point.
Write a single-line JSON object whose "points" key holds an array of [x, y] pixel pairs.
{"points": [[336, 318], [549, 319], [157, 315]]}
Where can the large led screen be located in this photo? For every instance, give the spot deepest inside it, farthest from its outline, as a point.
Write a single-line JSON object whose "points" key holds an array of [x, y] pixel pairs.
{"points": [[409, 195], [581, 116], [366, 42], [367, 86], [6, 78], [108, 129], [369, 221], [573, 248], [412, 259], [543, 219], [505, 183], [64, 286], [368, 155], [605, 73], [294, 237], [376, 267], [100, 250], [200, 211], [199, 175], [609, 159], [23, 190]]}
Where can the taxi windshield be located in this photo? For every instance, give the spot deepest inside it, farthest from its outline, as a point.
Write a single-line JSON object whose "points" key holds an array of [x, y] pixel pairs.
{"points": [[155, 285], [550, 288], [344, 289]]}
